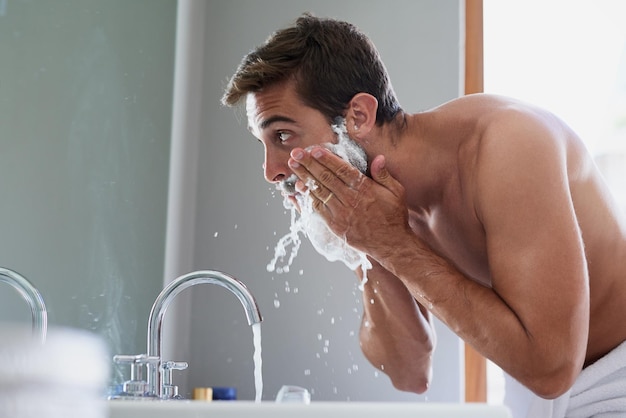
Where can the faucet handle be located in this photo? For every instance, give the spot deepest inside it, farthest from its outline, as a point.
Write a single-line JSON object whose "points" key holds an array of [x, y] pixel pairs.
{"points": [[170, 391], [135, 358], [137, 386]]}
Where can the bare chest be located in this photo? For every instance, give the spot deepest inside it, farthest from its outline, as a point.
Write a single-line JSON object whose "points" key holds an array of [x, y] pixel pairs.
{"points": [[457, 237]]}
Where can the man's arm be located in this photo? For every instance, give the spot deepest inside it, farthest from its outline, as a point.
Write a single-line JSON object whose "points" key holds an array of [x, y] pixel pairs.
{"points": [[535, 247], [397, 335]]}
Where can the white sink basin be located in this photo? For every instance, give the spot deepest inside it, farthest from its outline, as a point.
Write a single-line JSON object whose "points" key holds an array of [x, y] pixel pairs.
{"points": [[244, 409]]}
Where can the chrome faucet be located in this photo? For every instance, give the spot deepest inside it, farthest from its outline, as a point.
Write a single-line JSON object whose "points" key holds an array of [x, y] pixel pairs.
{"points": [[157, 370], [32, 296]]}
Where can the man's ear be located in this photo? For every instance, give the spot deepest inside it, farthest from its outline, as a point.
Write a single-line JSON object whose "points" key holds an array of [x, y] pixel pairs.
{"points": [[361, 115]]}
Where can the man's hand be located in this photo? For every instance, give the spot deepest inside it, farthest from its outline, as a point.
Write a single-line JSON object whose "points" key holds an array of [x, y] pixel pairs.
{"points": [[370, 213]]}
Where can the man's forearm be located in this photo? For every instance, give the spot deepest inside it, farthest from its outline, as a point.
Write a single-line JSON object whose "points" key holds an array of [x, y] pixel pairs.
{"points": [[396, 333], [482, 318]]}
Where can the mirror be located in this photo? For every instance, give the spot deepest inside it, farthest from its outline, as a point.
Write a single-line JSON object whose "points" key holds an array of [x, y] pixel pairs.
{"points": [[85, 109]]}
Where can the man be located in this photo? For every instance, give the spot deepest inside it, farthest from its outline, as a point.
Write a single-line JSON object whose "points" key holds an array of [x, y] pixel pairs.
{"points": [[486, 212]]}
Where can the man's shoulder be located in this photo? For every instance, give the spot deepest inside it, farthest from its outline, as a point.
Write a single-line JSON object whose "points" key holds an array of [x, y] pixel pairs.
{"points": [[486, 112], [479, 102]]}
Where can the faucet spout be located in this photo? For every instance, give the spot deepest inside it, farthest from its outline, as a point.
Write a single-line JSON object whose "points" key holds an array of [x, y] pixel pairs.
{"points": [[32, 296], [157, 313]]}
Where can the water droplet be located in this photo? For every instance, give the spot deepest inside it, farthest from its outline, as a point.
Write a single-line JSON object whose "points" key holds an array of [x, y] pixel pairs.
{"points": [[276, 303]]}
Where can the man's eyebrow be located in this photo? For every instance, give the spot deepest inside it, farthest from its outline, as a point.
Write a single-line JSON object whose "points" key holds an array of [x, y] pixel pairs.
{"points": [[267, 122]]}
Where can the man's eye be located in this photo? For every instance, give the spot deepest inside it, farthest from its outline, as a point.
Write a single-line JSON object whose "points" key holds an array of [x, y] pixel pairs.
{"points": [[283, 136]]}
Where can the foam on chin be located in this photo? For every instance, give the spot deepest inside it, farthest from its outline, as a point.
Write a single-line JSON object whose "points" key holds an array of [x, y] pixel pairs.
{"points": [[325, 241]]}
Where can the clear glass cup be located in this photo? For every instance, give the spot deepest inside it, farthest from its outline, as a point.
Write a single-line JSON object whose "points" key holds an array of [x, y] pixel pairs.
{"points": [[293, 394]]}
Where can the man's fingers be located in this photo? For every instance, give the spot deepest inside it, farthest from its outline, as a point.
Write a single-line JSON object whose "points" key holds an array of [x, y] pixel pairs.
{"points": [[381, 175], [324, 173]]}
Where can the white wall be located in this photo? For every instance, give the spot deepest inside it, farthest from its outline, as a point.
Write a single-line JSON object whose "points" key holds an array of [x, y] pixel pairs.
{"points": [[239, 218]]}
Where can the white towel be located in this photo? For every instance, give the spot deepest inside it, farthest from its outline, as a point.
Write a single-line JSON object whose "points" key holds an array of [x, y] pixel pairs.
{"points": [[599, 392]]}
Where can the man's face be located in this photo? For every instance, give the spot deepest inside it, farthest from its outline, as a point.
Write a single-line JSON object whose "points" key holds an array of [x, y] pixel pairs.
{"points": [[281, 122]]}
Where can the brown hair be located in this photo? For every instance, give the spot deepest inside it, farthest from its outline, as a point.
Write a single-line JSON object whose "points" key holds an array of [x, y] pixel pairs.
{"points": [[331, 62]]}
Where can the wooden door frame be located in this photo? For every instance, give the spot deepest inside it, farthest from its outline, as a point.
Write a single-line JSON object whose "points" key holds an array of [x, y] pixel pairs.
{"points": [[475, 364]]}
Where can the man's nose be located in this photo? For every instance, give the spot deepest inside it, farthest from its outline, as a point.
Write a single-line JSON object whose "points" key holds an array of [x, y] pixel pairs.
{"points": [[275, 167]]}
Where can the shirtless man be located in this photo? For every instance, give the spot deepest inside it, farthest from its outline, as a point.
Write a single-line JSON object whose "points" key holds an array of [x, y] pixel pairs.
{"points": [[485, 212]]}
